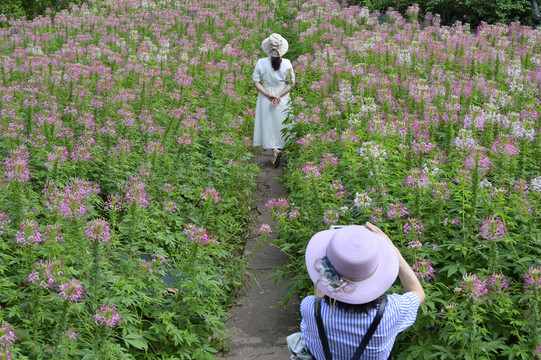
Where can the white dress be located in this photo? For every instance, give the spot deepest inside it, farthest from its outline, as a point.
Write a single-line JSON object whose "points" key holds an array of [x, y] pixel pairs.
{"points": [[268, 119]]}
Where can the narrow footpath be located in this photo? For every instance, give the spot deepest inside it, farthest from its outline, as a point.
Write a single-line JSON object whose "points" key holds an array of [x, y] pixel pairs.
{"points": [[258, 326]]}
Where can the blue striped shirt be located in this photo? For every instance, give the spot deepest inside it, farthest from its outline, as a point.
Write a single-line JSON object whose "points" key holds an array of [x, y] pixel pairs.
{"points": [[345, 330]]}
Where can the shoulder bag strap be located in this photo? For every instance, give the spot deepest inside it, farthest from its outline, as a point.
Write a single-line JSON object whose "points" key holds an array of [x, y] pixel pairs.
{"points": [[321, 330], [371, 329]]}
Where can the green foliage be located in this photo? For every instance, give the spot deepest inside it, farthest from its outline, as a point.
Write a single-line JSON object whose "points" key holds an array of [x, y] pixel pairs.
{"points": [[12, 8], [471, 11], [32, 8]]}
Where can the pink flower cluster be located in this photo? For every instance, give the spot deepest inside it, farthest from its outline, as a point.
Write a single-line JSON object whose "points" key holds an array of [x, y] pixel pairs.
{"points": [[423, 269], [72, 290], [417, 179], [7, 338], [98, 230], [331, 217], [107, 315], [265, 229], [413, 227], [70, 202], [532, 279], [310, 170], [505, 145], [58, 155], [397, 210], [154, 147], [210, 194], [17, 165], [337, 186], [4, 221], [135, 192], [46, 273], [29, 233], [472, 287], [281, 207], [198, 234], [328, 160], [493, 228], [477, 289]]}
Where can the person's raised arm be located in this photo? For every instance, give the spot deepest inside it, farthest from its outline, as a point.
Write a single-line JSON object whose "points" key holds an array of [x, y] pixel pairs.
{"points": [[409, 280]]}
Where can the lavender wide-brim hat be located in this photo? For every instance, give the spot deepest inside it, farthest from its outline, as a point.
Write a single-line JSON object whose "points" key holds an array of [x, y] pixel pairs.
{"points": [[351, 264]]}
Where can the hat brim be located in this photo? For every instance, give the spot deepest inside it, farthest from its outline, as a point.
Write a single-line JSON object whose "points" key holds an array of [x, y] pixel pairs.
{"points": [[366, 290], [282, 49]]}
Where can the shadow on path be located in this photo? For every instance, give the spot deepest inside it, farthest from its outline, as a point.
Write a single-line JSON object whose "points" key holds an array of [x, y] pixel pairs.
{"points": [[258, 326]]}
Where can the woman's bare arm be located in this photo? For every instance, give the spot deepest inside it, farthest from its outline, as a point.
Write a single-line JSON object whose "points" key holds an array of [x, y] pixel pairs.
{"points": [[409, 280], [263, 91]]}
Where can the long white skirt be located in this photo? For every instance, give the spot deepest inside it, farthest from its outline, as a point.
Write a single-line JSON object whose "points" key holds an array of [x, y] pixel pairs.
{"points": [[269, 121]]}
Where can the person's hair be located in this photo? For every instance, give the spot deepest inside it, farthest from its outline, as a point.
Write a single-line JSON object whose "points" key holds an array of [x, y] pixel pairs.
{"points": [[355, 308], [276, 62]]}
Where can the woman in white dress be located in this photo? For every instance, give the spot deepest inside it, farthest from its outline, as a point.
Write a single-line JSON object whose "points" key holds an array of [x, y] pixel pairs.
{"points": [[273, 78]]}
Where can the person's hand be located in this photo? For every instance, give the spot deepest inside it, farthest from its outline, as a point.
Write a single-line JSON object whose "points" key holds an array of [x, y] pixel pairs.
{"points": [[276, 101], [270, 97]]}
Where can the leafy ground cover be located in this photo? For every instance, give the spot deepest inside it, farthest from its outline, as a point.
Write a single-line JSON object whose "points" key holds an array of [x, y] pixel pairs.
{"points": [[433, 134], [126, 182]]}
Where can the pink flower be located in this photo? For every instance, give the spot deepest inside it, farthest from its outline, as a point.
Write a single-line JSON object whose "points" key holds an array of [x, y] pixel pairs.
{"points": [[185, 139], [341, 192], [331, 217], [328, 160], [310, 169], [170, 206], [135, 192], [493, 228], [198, 234], [72, 290], [397, 210], [107, 315], [210, 194], [154, 147], [265, 229], [70, 334], [496, 282], [4, 221], [505, 145], [532, 279], [7, 336], [417, 179], [29, 233], [70, 202], [472, 286], [423, 269], [280, 205], [17, 165], [98, 230], [45, 272]]}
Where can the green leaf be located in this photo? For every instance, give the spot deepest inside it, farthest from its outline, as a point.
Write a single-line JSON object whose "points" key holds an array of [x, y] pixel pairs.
{"points": [[136, 340]]}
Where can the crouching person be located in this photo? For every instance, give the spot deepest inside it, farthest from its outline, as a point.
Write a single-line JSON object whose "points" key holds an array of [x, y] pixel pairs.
{"points": [[350, 318]]}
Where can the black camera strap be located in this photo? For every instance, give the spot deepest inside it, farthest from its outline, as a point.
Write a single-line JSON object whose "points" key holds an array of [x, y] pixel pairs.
{"points": [[366, 337]]}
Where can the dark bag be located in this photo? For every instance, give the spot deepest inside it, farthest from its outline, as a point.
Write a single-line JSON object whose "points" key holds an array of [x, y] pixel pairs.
{"points": [[366, 337]]}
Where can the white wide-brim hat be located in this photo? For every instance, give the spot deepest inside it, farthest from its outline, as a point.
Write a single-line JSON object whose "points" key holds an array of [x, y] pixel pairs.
{"points": [[275, 45], [351, 264]]}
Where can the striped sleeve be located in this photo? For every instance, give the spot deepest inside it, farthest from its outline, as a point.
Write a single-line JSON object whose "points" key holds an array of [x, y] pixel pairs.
{"points": [[407, 305]]}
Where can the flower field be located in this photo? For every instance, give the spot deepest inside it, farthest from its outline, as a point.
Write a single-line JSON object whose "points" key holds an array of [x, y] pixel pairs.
{"points": [[433, 134], [126, 179]]}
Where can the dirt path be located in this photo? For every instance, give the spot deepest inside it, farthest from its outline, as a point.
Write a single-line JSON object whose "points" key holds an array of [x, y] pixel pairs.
{"points": [[258, 325]]}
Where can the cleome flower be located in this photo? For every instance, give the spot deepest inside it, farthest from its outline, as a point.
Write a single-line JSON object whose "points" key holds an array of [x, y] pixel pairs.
{"points": [[107, 315]]}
